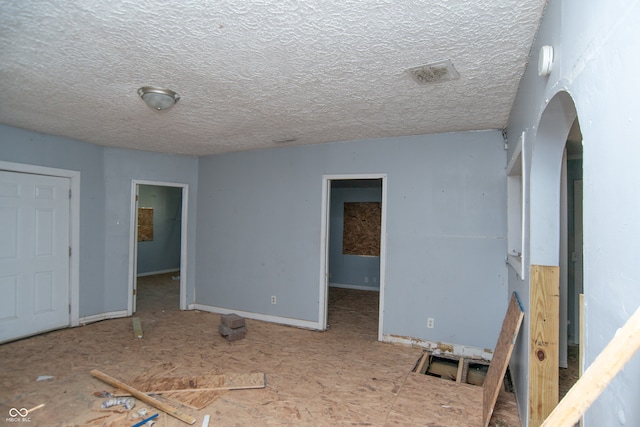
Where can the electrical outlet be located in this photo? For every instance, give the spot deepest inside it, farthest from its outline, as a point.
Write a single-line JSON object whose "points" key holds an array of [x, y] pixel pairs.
{"points": [[366, 279], [430, 322], [273, 299]]}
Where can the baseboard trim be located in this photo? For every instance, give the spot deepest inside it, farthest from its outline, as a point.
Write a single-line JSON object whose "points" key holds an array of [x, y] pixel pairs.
{"points": [[102, 316], [306, 324], [440, 348], [153, 273], [358, 287]]}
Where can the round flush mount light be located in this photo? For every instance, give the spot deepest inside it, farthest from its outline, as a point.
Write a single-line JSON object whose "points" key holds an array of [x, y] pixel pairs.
{"points": [[157, 98]]}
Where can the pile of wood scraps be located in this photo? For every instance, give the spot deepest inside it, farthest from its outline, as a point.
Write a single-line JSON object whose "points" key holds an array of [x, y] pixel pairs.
{"points": [[170, 393]]}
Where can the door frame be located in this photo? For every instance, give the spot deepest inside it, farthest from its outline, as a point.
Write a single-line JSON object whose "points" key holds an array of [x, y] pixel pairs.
{"points": [[74, 227], [133, 241], [324, 245]]}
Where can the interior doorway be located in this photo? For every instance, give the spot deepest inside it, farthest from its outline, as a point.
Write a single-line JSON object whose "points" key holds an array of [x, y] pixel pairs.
{"points": [[353, 253], [549, 238], [570, 302], [158, 243]]}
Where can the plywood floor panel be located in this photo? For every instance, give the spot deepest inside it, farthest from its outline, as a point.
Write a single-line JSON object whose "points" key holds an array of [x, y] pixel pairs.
{"points": [[342, 376]]}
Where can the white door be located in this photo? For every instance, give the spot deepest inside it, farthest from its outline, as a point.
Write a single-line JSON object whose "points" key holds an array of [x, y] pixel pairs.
{"points": [[34, 254]]}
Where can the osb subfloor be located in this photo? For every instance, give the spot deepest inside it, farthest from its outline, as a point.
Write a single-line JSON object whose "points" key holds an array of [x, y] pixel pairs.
{"points": [[339, 377]]}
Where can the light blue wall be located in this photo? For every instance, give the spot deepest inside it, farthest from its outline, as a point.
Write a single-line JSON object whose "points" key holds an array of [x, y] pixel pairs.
{"points": [[351, 270], [446, 231], [121, 167], [21, 146], [596, 63], [163, 252], [105, 206]]}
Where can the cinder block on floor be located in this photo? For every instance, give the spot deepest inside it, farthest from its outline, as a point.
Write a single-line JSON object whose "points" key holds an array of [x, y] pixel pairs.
{"points": [[232, 320], [225, 330], [235, 337]]}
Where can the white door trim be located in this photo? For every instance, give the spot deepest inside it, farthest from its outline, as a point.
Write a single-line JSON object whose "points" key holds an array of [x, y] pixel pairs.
{"points": [[324, 245], [74, 227], [133, 240]]}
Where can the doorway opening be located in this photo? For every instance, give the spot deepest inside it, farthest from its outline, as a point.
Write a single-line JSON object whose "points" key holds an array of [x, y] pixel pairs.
{"points": [[353, 262], [158, 245], [551, 199], [571, 267]]}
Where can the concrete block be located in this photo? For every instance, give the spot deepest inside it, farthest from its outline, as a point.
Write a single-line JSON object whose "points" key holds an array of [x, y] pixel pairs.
{"points": [[232, 320], [225, 330], [235, 337]]}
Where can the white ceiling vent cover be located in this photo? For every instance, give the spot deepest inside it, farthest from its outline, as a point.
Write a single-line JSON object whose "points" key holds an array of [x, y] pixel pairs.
{"points": [[435, 72]]}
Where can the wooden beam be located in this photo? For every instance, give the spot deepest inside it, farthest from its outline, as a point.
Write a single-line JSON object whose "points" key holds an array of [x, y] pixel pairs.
{"points": [[459, 373], [501, 355], [174, 412], [544, 335], [595, 379], [421, 368]]}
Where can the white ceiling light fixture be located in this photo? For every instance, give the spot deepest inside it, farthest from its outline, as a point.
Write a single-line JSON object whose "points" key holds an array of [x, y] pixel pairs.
{"points": [[157, 98], [545, 61]]}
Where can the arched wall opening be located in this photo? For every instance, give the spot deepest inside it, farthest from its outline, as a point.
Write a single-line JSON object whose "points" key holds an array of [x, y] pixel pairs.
{"points": [[548, 255]]}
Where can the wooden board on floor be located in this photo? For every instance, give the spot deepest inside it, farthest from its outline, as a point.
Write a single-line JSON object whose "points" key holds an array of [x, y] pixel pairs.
{"points": [[195, 399], [501, 356], [206, 382], [543, 333]]}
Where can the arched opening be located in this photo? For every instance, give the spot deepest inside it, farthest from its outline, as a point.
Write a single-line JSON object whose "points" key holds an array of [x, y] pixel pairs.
{"points": [[555, 209]]}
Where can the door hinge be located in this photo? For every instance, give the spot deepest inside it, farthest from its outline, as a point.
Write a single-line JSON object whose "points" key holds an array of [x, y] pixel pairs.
{"points": [[69, 193], [69, 250], [134, 291], [69, 308], [136, 197]]}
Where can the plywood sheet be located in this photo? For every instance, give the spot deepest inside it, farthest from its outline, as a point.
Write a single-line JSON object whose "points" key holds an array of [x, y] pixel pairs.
{"points": [[543, 333], [204, 382], [362, 228], [145, 224], [429, 401], [501, 356]]}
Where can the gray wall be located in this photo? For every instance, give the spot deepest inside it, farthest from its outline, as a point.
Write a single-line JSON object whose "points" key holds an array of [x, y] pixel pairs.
{"points": [[105, 205], [596, 62], [446, 231], [121, 167], [20, 146], [351, 270], [163, 252]]}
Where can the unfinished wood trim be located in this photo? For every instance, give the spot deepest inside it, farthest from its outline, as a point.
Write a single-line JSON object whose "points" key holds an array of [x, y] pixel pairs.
{"points": [[544, 336], [459, 373], [501, 356], [422, 364], [597, 377]]}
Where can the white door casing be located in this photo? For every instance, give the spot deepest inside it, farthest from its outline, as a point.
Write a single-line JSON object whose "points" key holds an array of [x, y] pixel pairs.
{"points": [[34, 254]]}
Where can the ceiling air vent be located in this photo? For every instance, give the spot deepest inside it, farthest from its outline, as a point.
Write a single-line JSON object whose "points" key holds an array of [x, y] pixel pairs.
{"points": [[436, 72]]}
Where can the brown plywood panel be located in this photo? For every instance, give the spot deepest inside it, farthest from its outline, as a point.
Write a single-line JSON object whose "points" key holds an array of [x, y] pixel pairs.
{"points": [[362, 228], [442, 403], [501, 356], [543, 333], [145, 224]]}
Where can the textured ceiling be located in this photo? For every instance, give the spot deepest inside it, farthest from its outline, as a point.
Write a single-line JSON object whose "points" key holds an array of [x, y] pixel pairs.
{"points": [[252, 72]]}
